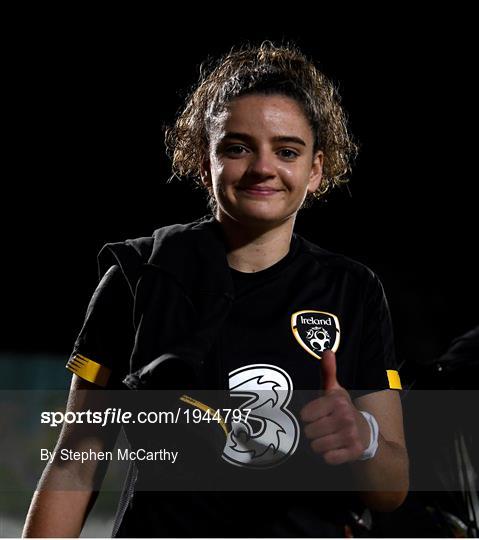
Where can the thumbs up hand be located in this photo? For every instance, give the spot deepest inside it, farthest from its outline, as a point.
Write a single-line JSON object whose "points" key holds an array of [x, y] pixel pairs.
{"points": [[336, 429]]}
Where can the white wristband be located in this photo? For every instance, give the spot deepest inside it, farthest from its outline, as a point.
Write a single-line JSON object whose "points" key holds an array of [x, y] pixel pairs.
{"points": [[373, 442]]}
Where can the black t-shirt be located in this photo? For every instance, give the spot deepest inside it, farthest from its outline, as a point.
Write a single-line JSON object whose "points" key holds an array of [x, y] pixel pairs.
{"points": [[288, 313], [282, 318], [101, 351]]}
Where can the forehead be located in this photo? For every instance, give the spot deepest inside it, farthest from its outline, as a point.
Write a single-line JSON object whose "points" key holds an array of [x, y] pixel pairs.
{"points": [[263, 115]]}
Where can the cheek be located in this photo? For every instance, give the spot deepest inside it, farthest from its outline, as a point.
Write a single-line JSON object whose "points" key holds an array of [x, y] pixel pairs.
{"points": [[287, 171], [293, 174], [217, 170], [227, 172]]}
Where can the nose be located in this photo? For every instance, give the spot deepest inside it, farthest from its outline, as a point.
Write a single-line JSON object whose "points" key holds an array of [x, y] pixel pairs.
{"points": [[262, 165]]}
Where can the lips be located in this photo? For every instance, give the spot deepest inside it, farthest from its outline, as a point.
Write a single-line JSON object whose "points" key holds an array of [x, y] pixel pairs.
{"points": [[263, 189], [260, 191]]}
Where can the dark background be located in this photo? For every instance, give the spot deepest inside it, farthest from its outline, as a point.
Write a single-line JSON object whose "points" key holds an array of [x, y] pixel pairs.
{"points": [[87, 98]]}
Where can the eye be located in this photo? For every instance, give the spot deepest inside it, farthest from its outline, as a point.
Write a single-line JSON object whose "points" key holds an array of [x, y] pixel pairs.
{"points": [[288, 153], [235, 149]]}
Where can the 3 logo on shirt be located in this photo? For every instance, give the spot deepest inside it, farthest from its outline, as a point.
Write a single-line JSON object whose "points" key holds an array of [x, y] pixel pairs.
{"points": [[316, 331], [270, 433]]}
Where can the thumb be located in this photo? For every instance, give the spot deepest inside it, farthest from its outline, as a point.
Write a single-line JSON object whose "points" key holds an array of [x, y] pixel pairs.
{"points": [[329, 380]]}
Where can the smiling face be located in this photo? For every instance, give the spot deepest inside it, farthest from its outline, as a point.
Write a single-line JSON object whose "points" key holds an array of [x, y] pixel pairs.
{"points": [[261, 164]]}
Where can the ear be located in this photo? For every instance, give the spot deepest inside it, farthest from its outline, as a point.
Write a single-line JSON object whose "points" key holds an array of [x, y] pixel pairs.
{"points": [[205, 173], [316, 174]]}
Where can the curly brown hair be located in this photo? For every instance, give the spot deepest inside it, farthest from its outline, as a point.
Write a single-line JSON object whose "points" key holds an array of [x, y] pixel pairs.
{"points": [[262, 69]]}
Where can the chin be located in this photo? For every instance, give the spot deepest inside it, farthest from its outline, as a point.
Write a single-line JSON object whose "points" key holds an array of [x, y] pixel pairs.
{"points": [[259, 217], [260, 214]]}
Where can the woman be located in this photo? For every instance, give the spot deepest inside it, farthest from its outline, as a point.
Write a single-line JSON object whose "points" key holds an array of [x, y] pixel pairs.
{"points": [[238, 301]]}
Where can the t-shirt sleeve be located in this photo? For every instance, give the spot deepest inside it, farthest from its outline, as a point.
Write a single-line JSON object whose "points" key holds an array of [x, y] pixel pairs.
{"points": [[101, 352], [377, 369]]}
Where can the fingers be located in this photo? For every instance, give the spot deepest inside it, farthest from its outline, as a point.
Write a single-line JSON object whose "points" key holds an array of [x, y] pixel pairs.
{"points": [[338, 447], [327, 425], [339, 456], [320, 428], [316, 409], [336, 401], [327, 443], [331, 422]]}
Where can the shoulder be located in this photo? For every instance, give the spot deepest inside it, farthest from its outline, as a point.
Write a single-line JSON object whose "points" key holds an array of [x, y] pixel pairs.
{"points": [[131, 254], [143, 246], [339, 263], [182, 232]]}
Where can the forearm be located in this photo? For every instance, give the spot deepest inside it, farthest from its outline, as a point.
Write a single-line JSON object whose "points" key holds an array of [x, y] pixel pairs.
{"points": [[67, 490], [57, 513], [383, 481]]}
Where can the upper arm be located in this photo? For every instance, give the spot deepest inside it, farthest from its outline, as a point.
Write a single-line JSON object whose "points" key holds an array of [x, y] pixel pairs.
{"points": [[379, 385], [386, 407], [84, 436], [376, 368], [99, 361], [102, 349], [86, 396]]}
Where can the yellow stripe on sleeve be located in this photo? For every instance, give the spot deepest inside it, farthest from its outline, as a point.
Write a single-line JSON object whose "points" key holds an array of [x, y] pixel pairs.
{"points": [[88, 369], [394, 380]]}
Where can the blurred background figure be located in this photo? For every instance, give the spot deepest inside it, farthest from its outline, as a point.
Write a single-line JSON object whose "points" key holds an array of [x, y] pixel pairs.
{"points": [[442, 433]]}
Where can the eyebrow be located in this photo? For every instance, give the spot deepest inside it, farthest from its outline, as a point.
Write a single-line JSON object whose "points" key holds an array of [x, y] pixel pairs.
{"points": [[277, 138]]}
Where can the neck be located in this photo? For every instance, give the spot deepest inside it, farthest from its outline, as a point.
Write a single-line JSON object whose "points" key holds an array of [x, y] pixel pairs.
{"points": [[252, 248]]}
